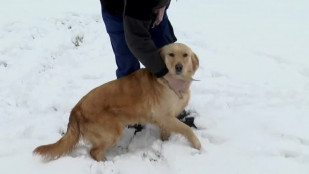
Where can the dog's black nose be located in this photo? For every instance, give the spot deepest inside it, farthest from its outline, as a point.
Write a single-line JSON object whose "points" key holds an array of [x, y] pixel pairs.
{"points": [[178, 68]]}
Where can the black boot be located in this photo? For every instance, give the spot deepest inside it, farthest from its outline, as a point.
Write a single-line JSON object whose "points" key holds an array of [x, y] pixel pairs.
{"points": [[185, 117], [137, 127]]}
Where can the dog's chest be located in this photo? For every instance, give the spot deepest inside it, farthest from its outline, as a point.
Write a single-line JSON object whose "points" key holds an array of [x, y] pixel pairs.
{"points": [[172, 104]]}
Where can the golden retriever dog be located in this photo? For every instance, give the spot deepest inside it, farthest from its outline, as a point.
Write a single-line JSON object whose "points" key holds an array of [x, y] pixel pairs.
{"points": [[102, 114]]}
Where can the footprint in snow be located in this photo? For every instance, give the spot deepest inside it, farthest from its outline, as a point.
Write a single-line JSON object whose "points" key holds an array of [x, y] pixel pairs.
{"points": [[289, 154], [3, 63], [213, 139], [294, 138]]}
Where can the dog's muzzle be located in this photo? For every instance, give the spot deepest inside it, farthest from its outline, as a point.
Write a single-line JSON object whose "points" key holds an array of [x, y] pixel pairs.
{"points": [[178, 68]]}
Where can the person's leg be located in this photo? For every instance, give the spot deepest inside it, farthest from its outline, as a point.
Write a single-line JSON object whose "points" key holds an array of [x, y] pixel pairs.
{"points": [[163, 34], [125, 60]]}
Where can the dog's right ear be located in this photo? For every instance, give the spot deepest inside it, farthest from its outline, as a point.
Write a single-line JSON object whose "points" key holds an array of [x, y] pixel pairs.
{"points": [[195, 62]]}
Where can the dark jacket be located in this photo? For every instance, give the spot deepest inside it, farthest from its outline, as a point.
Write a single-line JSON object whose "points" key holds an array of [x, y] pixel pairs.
{"points": [[138, 16]]}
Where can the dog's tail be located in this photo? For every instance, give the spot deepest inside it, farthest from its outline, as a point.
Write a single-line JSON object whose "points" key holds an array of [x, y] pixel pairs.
{"points": [[65, 144]]}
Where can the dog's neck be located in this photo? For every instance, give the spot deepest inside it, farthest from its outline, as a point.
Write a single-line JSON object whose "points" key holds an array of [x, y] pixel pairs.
{"points": [[180, 94]]}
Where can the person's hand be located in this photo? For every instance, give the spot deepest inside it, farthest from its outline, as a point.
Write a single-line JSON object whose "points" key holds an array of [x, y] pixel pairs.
{"points": [[177, 85], [160, 13]]}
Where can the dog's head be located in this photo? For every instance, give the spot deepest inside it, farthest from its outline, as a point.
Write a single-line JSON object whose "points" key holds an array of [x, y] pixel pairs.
{"points": [[180, 60]]}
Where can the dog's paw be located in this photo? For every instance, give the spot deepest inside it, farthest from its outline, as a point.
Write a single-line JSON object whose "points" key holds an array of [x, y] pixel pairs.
{"points": [[196, 143], [165, 135]]}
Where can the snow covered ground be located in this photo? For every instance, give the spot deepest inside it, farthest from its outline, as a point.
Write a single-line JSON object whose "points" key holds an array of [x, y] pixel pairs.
{"points": [[252, 102]]}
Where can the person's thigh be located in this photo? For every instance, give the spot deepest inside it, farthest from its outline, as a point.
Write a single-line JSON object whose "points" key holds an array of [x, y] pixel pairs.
{"points": [[125, 60]]}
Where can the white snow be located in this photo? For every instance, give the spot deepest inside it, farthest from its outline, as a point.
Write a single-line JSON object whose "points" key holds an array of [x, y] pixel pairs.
{"points": [[252, 102]]}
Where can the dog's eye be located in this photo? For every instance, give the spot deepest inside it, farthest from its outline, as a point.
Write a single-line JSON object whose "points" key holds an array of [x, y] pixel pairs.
{"points": [[171, 54], [185, 55]]}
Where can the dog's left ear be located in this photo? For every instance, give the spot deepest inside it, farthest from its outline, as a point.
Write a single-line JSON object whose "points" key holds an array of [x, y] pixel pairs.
{"points": [[195, 62], [161, 54]]}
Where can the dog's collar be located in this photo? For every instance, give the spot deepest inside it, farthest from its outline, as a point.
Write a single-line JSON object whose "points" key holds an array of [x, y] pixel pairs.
{"points": [[192, 79]]}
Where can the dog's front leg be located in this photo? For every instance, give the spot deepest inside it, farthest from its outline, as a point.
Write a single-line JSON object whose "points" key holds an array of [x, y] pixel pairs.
{"points": [[165, 135], [174, 125]]}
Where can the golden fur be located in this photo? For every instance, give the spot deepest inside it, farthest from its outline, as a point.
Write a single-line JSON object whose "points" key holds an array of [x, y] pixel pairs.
{"points": [[102, 114]]}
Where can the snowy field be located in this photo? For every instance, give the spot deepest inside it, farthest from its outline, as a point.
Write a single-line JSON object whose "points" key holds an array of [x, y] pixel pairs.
{"points": [[251, 103]]}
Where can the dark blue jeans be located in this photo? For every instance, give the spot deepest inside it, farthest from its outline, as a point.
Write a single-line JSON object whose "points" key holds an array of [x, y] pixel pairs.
{"points": [[161, 35]]}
